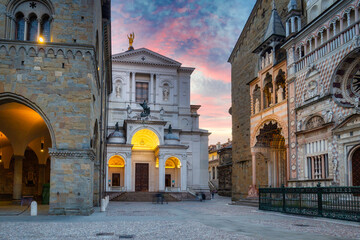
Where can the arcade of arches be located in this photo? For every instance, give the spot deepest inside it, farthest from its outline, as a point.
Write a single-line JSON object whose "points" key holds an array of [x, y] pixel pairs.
{"points": [[144, 167], [269, 158], [24, 157]]}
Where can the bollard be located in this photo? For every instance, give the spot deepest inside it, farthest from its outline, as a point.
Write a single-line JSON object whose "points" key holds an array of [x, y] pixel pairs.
{"points": [[103, 203], [33, 206]]}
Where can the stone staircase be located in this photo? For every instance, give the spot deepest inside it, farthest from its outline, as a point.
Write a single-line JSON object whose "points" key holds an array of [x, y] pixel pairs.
{"points": [[151, 196]]}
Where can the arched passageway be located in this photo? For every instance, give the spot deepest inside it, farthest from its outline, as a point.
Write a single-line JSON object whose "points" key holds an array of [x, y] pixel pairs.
{"points": [[25, 161]]}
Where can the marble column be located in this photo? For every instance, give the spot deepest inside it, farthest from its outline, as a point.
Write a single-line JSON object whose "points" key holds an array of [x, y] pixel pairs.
{"points": [[293, 24], [18, 170], [133, 87], [287, 28], [26, 27], [39, 20], [161, 174], [183, 173], [151, 88], [253, 165], [128, 175]]}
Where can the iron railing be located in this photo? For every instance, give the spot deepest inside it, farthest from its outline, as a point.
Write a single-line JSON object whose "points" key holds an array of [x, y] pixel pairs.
{"points": [[331, 202]]}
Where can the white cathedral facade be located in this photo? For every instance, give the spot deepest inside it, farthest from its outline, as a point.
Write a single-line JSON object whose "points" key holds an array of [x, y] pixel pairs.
{"points": [[163, 150]]}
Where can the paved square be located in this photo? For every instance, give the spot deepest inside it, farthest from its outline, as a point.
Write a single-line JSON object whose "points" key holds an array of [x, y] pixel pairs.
{"points": [[213, 219]]}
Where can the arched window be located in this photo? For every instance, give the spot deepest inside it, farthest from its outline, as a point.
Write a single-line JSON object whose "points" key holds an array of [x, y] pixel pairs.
{"points": [[268, 90], [32, 28], [280, 87], [45, 28], [20, 27], [32, 19]]}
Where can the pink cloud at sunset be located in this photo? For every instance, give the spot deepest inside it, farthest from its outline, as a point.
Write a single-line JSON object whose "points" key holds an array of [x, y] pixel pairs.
{"points": [[199, 34]]}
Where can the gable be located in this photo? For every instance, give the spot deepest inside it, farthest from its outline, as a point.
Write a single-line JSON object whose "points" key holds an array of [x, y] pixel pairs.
{"points": [[144, 56], [351, 122]]}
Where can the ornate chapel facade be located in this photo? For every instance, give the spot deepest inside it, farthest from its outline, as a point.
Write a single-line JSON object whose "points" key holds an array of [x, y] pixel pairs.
{"points": [[155, 143], [302, 124]]}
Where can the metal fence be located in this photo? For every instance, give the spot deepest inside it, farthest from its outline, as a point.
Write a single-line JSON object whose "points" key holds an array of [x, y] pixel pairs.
{"points": [[331, 202]]}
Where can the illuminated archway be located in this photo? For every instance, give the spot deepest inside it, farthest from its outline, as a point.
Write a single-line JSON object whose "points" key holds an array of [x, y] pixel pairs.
{"points": [[145, 139], [26, 139], [116, 172], [172, 173]]}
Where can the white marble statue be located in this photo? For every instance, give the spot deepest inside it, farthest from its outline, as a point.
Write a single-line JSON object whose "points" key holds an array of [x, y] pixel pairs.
{"points": [[166, 93], [329, 116], [280, 94], [118, 90], [257, 106], [299, 125]]}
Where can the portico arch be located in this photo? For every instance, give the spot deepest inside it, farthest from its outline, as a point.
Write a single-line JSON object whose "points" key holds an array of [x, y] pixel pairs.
{"points": [[145, 174], [116, 173], [269, 155], [29, 136], [354, 164], [172, 174]]}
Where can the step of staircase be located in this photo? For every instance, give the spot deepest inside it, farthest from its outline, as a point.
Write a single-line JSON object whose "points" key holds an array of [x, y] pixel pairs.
{"points": [[251, 202], [150, 196]]}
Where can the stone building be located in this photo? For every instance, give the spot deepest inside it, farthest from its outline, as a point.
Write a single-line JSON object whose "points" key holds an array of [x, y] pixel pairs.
{"points": [[256, 62], [213, 166], [155, 143], [319, 124], [55, 77], [225, 169]]}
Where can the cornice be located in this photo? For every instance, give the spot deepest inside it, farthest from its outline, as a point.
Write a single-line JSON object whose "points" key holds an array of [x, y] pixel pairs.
{"points": [[66, 153]]}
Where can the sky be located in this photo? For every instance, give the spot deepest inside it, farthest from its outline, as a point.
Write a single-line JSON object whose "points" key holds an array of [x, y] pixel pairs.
{"points": [[199, 34]]}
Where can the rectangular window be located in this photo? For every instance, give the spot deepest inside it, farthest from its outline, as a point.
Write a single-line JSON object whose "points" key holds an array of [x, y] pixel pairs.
{"points": [[142, 91], [318, 166]]}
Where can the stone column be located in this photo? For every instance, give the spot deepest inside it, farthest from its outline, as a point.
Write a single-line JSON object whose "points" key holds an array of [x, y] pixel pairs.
{"points": [[183, 173], [253, 165], [127, 178], [12, 27], [18, 169], [299, 24], [39, 20], [151, 88], [161, 174], [133, 86], [41, 181], [26, 27], [253, 192]]}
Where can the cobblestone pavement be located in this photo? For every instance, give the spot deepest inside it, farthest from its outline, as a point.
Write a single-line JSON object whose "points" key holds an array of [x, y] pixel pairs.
{"points": [[213, 219]]}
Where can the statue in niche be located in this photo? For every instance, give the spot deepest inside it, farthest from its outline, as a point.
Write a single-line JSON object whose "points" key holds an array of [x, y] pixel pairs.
{"points": [[118, 90], [299, 125], [170, 129], [257, 106], [146, 109], [162, 112], [166, 92], [329, 116], [128, 111], [117, 126], [280, 94]]}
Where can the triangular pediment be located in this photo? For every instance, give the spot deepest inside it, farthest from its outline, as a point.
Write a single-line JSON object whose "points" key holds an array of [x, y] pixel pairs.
{"points": [[352, 121], [144, 56]]}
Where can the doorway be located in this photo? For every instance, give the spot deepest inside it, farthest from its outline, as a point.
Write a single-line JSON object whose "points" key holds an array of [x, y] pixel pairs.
{"points": [[167, 180], [141, 177], [116, 179]]}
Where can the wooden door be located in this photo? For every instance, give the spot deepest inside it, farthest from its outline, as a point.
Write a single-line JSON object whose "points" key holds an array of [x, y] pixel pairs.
{"points": [[116, 179], [167, 180], [141, 177], [356, 168]]}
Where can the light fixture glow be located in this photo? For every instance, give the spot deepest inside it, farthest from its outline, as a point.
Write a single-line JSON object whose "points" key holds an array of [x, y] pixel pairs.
{"points": [[41, 39], [42, 145]]}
